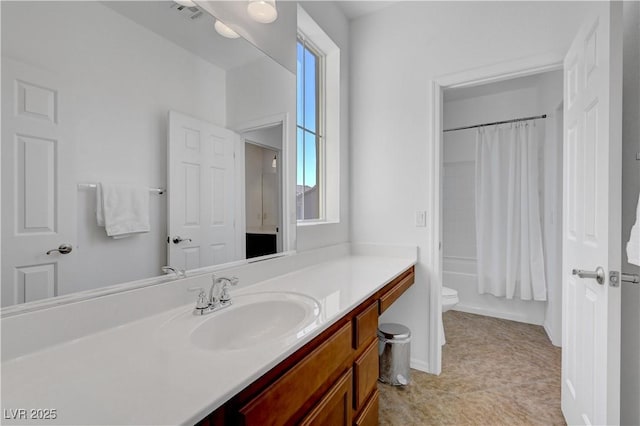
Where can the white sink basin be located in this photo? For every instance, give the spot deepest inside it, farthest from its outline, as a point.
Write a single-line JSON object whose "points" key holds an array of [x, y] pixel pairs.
{"points": [[255, 319]]}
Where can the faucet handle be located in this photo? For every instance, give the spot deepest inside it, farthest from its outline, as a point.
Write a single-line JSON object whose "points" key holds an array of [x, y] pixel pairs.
{"points": [[202, 302], [225, 297], [229, 281]]}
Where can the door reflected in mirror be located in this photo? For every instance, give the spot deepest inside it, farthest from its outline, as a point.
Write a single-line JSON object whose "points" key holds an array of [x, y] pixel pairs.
{"points": [[140, 94]]}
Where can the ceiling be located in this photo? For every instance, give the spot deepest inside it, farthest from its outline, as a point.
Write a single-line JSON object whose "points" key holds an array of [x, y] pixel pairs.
{"points": [[355, 9], [189, 29]]}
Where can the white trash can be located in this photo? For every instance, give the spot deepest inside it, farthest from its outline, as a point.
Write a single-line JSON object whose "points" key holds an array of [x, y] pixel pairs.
{"points": [[394, 344]]}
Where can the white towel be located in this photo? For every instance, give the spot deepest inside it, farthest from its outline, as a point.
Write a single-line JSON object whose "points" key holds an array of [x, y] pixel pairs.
{"points": [[633, 246], [123, 210]]}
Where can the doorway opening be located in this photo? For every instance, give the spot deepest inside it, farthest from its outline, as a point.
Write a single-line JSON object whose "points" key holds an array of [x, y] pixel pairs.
{"points": [[263, 191], [502, 200], [500, 230], [466, 79]]}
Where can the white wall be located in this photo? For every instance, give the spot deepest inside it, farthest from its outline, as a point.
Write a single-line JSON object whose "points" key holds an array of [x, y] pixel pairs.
{"points": [[394, 54], [270, 199], [630, 362], [261, 192], [329, 17], [269, 136], [522, 97], [253, 185], [550, 101], [123, 80], [260, 89]]}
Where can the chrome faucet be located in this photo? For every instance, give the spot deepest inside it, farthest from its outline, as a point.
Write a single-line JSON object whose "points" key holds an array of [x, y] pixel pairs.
{"points": [[211, 303], [179, 273], [225, 298]]}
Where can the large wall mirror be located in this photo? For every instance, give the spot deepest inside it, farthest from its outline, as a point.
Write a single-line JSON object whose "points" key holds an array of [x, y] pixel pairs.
{"points": [[135, 136]]}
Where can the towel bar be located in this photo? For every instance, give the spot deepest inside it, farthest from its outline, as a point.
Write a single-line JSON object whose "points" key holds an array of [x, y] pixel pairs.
{"points": [[158, 191]]}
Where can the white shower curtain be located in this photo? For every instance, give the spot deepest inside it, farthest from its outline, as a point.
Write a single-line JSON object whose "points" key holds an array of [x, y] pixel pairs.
{"points": [[508, 228]]}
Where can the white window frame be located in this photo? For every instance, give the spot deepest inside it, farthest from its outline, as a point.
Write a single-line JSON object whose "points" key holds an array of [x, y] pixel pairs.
{"points": [[320, 127], [329, 118]]}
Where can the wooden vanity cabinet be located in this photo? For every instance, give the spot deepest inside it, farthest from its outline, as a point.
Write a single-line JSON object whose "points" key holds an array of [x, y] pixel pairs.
{"points": [[396, 288], [365, 369], [365, 326], [332, 380], [335, 407], [280, 401]]}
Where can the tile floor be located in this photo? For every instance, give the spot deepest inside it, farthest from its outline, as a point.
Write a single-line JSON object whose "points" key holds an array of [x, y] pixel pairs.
{"points": [[494, 372]]}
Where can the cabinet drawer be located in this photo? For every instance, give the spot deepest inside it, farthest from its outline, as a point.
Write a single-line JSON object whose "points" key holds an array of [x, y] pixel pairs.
{"points": [[369, 414], [402, 284], [280, 401], [366, 374], [365, 326], [335, 407]]}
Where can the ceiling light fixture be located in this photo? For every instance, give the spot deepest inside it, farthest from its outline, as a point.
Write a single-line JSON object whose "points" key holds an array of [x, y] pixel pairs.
{"points": [[186, 3], [224, 30], [263, 11]]}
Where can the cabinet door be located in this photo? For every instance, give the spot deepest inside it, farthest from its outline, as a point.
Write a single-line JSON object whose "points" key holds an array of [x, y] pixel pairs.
{"points": [[279, 402], [366, 374], [369, 414], [365, 326], [335, 407]]}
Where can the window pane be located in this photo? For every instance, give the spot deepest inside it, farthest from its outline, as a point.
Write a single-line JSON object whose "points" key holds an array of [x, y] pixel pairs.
{"points": [[310, 90], [300, 85], [300, 159], [310, 164], [300, 176], [311, 190], [307, 171]]}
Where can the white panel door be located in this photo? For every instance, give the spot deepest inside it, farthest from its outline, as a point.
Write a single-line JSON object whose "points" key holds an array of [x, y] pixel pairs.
{"points": [[38, 191], [202, 193], [591, 219]]}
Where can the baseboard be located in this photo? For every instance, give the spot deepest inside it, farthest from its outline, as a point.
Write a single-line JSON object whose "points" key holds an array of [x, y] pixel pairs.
{"points": [[418, 364], [495, 314], [550, 336]]}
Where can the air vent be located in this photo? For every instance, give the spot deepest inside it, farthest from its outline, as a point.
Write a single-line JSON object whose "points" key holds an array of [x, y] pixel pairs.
{"points": [[188, 12]]}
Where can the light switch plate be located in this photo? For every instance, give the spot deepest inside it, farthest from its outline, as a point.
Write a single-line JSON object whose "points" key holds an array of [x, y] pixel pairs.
{"points": [[421, 219]]}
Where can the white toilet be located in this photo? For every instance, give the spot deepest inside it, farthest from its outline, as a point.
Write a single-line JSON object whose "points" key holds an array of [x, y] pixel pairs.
{"points": [[449, 300]]}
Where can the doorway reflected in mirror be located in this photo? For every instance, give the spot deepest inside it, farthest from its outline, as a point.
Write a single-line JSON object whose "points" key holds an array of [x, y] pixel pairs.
{"points": [[263, 189]]}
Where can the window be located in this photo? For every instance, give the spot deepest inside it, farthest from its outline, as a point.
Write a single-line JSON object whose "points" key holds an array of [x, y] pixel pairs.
{"points": [[318, 129], [310, 138]]}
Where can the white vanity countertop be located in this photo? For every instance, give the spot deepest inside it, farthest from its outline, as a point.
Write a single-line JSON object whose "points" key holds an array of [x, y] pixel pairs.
{"points": [[138, 374]]}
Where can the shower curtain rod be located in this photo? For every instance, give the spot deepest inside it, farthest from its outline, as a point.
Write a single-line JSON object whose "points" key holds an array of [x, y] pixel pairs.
{"points": [[497, 122]]}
